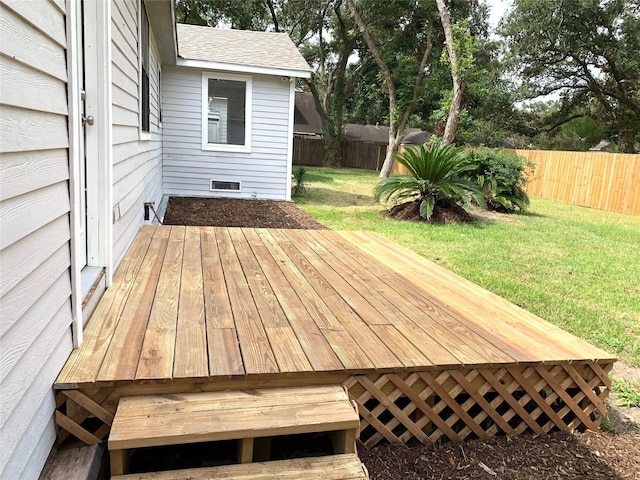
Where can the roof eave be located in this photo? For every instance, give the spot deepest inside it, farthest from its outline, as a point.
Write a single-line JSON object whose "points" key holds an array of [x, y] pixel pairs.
{"points": [[229, 67], [162, 19]]}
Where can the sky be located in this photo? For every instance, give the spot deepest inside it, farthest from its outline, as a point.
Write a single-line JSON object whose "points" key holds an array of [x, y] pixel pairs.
{"points": [[497, 9]]}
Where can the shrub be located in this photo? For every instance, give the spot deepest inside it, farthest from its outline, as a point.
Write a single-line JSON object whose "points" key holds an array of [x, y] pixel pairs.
{"points": [[437, 176], [501, 177], [299, 181]]}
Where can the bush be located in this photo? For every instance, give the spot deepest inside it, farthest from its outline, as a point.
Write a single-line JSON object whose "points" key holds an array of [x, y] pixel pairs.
{"points": [[502, 178], [437, 176]]}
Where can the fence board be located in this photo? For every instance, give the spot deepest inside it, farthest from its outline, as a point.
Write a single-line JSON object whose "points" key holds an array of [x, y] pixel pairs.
{"points": [[310, 152], [607, 181]]}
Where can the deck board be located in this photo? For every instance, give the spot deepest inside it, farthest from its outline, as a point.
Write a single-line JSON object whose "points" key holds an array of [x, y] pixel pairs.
{"points": [[157, 354], [216, 303], [191, 337], [121, 358]]}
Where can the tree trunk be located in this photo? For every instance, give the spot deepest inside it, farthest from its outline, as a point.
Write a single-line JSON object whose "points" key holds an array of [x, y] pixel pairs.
{"points": [[332, 143], [454, 111], [458, 82], [392, 150]]}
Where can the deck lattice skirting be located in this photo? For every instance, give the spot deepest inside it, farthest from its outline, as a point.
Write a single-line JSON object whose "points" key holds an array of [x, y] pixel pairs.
{"points": [[457, 404], [426, 406]]}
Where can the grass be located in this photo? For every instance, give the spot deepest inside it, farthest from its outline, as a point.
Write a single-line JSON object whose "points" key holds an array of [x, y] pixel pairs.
{"points": [[627, 392], [576, 267]]}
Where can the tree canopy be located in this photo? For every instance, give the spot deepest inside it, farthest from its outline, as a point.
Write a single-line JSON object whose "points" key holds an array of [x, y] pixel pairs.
{"points": [[585, 51]]}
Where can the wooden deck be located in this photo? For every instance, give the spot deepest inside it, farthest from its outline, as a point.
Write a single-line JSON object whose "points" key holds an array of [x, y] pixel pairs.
{"points": [[204, 307]]}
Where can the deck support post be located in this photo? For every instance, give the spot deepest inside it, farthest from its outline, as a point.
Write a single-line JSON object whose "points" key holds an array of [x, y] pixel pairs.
{"points": [[119, 462], [344, 441], [245, 450]]}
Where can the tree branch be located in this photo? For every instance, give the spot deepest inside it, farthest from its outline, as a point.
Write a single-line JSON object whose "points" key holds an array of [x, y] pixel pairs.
{"points": [[375, 51], [274, 18]]}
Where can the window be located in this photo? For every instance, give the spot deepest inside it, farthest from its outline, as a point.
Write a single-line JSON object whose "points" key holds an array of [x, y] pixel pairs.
{"points": [[145, 109], [226, 113]]}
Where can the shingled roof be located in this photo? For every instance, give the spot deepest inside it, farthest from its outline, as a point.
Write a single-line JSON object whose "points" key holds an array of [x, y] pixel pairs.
{"points": [[274, 51]]}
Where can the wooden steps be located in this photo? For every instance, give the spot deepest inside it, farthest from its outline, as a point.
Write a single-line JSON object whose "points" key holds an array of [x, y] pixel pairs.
{"points": [[160, 420], [332, 467]]}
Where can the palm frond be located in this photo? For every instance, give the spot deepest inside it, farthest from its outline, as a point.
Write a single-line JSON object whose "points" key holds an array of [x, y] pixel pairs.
{"points": [[436, 173]]}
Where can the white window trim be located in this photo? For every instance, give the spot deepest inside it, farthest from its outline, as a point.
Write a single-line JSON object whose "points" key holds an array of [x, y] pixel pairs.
{"points": [[142, 134], [220, 147]]}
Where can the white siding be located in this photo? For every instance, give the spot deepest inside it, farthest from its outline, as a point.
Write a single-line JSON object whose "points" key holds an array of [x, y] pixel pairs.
{"points": [[35, 284], [187, 168], [35, 310], [137, 157]]}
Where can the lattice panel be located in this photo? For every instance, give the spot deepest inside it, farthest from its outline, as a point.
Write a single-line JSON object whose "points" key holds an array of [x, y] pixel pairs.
{"points": [[81, 414], [458, 404]]}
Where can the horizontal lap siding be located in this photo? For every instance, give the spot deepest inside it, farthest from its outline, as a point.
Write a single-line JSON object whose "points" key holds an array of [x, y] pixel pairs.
{"points": [[137, 158], [35, 286], [187, 169]]}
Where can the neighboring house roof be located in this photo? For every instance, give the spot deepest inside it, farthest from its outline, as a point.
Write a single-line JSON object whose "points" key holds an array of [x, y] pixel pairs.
{"points": [[241, 51], [380, 134], [306, 120]]}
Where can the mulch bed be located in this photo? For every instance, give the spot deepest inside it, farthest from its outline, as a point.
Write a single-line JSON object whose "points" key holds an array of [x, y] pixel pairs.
{"points": [[442, 213], [224, 212], [590, 455]]}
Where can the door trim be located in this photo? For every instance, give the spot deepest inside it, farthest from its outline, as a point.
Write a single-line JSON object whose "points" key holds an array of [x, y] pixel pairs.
{"points": [[98, 137], [98, 144]]}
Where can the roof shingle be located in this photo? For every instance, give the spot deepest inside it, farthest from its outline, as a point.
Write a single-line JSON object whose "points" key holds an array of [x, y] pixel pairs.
{"points": [[239, 47]]}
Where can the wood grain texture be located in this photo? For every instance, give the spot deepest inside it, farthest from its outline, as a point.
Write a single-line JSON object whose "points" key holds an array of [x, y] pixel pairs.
{"points": [[332, 467], [158, 420], [196, 303], [191, 337]]}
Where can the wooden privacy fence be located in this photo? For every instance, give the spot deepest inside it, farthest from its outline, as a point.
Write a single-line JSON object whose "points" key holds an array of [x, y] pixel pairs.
{"points": [[607, 181], [310, 152]]}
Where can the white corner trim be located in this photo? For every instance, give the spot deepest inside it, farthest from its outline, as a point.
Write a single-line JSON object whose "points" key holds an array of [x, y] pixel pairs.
{"points": [[75, 152], [105, 39], [292, 101], [229, 67]]}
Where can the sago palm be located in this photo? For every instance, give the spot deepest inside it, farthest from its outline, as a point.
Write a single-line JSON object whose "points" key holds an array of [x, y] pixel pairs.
{"points": [[436, 176]]}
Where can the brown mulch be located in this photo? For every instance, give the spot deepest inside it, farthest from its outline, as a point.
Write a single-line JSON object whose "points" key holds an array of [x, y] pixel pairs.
{"points": [[589, 456], [225, 212], [442, 213]]}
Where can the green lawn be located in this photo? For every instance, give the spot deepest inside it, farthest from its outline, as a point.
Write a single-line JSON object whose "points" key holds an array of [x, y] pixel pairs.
{"points": [[576, 267]]}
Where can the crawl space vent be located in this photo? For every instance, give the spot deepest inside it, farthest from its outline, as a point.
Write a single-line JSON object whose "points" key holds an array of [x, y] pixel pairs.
{"points": [[225, 185]]}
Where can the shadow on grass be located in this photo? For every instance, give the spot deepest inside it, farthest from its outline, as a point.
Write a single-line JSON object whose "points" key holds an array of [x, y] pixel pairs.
{"points": [[529, 213], [330, 197], [318, 177]]}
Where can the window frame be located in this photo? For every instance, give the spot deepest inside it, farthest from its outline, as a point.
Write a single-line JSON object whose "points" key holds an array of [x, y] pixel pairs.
{"points": [[204, 99], [144, 75]]}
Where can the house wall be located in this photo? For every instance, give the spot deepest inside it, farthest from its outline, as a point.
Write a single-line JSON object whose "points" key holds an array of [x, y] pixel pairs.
{"points": [[35, 247], [137, 157], [35, 285], [187, 169]]}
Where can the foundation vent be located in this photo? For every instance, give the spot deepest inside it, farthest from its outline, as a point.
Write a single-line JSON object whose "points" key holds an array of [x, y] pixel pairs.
{"points": [[225, 185]]}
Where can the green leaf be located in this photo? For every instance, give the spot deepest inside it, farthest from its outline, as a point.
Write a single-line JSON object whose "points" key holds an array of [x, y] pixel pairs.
{"points": [[426, 207]]}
